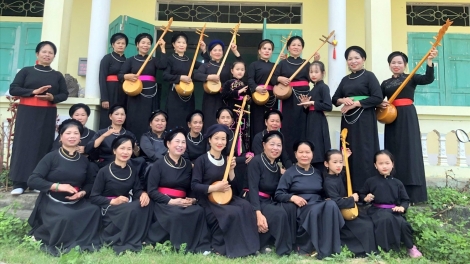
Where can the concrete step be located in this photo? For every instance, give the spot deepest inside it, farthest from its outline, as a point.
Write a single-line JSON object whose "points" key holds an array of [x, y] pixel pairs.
{"points": [[25, 201]]}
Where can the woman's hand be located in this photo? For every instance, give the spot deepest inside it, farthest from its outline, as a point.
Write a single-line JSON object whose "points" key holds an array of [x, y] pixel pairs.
{"points": [[349, 152], [213, 78], [41, 89], [346, 101], [81, 149], [346, 108], [369, 198], [316, 57], [305, 100], [144, 199], [432, 54], [235, 50], [242, 90], [46, 97], [185, 78], [355, 196], [261, 90], [182, 202], [384, 104], [202, 46], [136, 149], [161, 43], [119, 200], [299, 201], [233, 163], [398, 209], [283, 56], [131, 77], [221, 186], [262, 222], [105, 104], [283, 80], [283, 171], [110, 132], [77, 196], [191, 201], [65, 187]]}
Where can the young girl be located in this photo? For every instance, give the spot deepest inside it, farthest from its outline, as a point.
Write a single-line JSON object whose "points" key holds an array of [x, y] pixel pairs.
{"points": [[389, 202], [315, 103], [234, 90], [357, 234]]}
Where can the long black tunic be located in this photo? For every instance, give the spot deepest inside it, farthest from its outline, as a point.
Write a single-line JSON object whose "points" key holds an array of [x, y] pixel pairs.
{"points": [[124, 226], [104, 151], [110, 91], [361, 123], [258, 72], [35, 126], [178, 224], [141, 106], [358, 234], [257, 148], [390, 228], [294, 117], [195, 147], [320, 221], [59, 226], [281, 217], [178, 107], [317, 129], [233, 226], [152, 146], [403, 137]]}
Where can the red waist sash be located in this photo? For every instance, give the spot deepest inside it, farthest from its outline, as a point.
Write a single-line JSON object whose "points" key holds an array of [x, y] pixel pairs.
{"points": [[34, 101], [148, 78], [112, 78], [311, 108], [172, 192], [384, 206], [402, 102], [298, 83], [262, 194]]}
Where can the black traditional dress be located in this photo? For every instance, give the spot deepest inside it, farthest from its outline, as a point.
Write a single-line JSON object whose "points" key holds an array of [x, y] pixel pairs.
{"points": [[263, 178], [35, 120], [86, 137], [212, 102], [139, 107], [403, 137], [177, 106], [167, 180], [358, 234], [258, 72], [391, 228], [62, 224], [233, 226], [124, 226], [317, 126], [320, 221], [294, 117], [195, 147], [152, 146], [110, 86], [257, 148], [361, 123]]}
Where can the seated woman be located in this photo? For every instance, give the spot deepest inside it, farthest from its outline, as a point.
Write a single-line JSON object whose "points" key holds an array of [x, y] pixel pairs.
{"points": [[263, 178], [196, 144], [126, 218], [178, 217], [358, 234], [233, 226], [319, 220], [151, 142], [101, 143], [62, 219]]}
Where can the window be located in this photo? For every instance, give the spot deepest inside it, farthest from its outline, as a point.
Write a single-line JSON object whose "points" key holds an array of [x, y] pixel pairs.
{"points": [[25, 8], [436, 15]]}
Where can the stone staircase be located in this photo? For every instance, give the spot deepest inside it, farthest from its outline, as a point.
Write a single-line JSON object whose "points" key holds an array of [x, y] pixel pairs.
{"points": [[23, 204]]}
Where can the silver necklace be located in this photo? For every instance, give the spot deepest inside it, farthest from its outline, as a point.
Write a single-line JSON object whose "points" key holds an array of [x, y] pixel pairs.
{"points": [[217, 163], [210, 62], [141, 60], [119, 179], [356, 76], [297, 168], [88, 130], [184, 58], [64, 155], [41, 70], [182, 163], [118, 134], [300, 63], [115, 58], [268, 164], [191, 138]]}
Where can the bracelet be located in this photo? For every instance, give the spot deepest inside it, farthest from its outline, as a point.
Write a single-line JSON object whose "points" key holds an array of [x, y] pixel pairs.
{"points": [[57, 187]]}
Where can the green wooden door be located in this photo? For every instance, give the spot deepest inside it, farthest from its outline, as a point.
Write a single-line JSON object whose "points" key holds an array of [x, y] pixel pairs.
{"points": [[276, 35], [30, 37], [131, 27], [115, 27], [457, 69]]}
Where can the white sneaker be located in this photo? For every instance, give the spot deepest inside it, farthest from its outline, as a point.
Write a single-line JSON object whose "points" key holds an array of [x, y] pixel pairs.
{"points": [[206, 253], [17, 191]]}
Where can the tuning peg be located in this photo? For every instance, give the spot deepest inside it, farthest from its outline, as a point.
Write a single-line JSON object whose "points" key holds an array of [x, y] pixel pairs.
{"points": [[239, 106], [248, 112], [170, 30]]}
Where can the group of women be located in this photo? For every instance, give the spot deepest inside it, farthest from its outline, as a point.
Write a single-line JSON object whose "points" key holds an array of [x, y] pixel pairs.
{"points": [[146, 175]]}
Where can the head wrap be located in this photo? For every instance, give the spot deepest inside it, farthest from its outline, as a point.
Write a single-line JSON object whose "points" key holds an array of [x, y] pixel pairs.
{"points": [[357, 49]]}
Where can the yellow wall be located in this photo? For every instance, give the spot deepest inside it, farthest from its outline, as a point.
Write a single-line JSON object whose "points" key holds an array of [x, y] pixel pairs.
{"points": [[20, 19]]}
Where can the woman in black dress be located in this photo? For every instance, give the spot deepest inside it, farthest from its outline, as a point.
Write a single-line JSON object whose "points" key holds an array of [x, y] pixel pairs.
{"points": [[358, 234], [319, 220], [178, 217], [126, 218], [272, 121], [196, 143], [233, 226], [208, 72], [359, 93], [147, 100], [294, 122], [315, 104], [101, 143], [258, 73], [263, 177], [389, 203], [62, 218], [151, 143], [176, 72], [110, 87], [40, 88], [403, 137]]}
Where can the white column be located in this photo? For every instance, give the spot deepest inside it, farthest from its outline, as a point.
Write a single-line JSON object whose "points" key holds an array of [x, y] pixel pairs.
{"points": [[442, 158], [424, 146], [336, 22], [461, 156], [97, 45]]}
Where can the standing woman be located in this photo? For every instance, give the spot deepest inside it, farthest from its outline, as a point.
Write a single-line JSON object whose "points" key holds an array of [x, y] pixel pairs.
{"points": [[359, 93], [178, 217], [151, 142], [62, 218], [40, 88], [233, 226], [176, 72], [208, 72], [126, 218], [110, 86], [146, 101], [258, 73], [196, 143], [403, 137], [295, 118]]}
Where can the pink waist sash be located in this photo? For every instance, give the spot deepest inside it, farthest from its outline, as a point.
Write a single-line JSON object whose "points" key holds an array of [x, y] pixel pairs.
{"points": [[148, 78]]}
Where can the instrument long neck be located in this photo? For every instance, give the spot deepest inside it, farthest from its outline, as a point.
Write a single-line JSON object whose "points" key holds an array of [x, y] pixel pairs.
{"points": [[275, 64]]}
